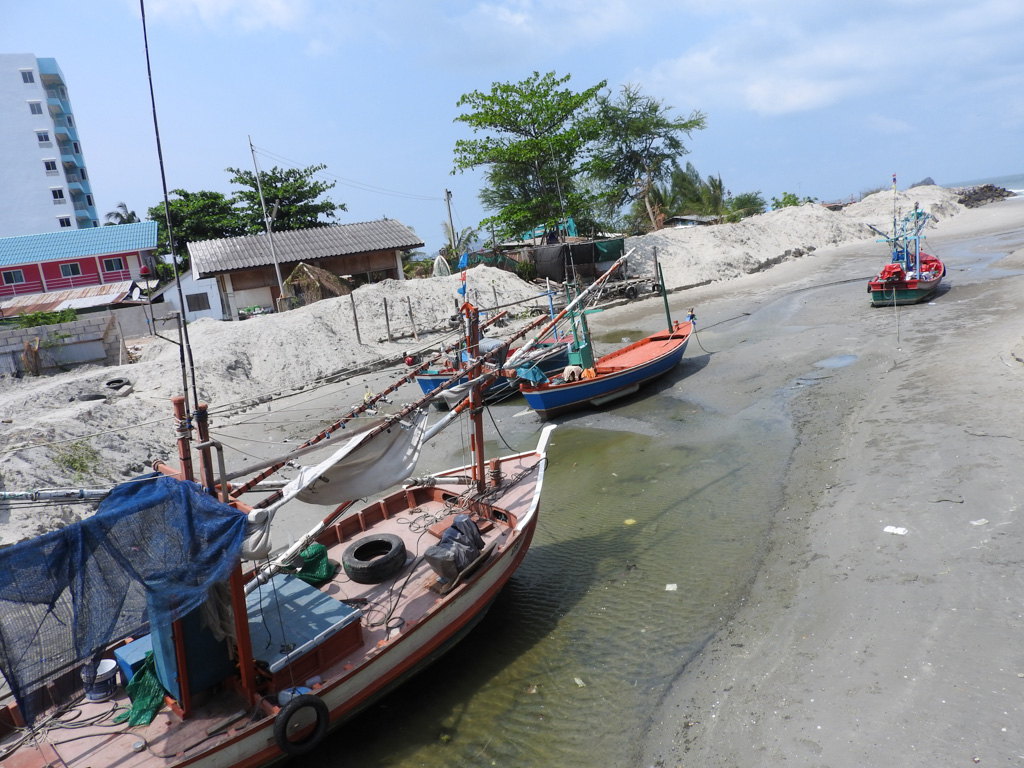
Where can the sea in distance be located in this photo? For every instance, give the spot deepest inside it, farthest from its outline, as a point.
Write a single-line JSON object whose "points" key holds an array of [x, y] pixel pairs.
{"points": [[1013, 182]]}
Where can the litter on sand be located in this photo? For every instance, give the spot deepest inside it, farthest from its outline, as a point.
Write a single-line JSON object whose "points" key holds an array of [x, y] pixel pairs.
{"points": [[671, 587], [982, 521], [894, 529]]}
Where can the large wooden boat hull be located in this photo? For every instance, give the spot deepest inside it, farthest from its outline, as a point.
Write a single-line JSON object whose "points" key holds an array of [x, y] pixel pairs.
{"points": [[618, 374], [425, 619]]}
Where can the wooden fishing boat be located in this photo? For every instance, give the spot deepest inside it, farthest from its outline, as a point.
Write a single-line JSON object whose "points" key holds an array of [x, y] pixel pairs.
{"points": [[614, 375], [587, 381], [911, 276], [290, 657]]}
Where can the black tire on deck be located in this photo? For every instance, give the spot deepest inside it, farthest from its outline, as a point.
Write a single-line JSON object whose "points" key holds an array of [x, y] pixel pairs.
{"points": [[374, 558]]}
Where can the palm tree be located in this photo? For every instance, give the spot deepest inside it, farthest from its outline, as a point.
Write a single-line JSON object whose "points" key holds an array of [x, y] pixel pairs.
{"points": [[458, 245], [121, 215]]}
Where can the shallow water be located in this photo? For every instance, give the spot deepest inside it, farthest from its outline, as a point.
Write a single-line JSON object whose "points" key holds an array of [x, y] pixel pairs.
{"points": [[653, 517]]}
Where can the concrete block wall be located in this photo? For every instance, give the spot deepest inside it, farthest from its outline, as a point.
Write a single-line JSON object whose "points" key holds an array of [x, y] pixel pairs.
{"points": [[91, 340]]}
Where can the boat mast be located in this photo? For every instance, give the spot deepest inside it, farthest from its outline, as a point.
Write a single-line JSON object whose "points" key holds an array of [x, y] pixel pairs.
{"points": [[476, 438]]}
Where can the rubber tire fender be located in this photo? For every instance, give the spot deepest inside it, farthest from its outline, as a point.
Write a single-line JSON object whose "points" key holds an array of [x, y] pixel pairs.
{"points": [[631, 292], [374, 558], [284, 717]]}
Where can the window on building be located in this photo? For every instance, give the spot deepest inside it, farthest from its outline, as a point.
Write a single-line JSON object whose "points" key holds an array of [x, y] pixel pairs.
{"points": [[44, 138], [197, 302], [70, 270], [58, 195], [27, 76], [113, 265], [65, 222], [13, 277], [35, 107], [77, 147], [85, 176], [51, 167], [71, 123], [88, 200]]}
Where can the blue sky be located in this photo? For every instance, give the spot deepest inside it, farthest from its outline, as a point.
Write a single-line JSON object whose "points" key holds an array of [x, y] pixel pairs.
{"points": [[824, 99]]}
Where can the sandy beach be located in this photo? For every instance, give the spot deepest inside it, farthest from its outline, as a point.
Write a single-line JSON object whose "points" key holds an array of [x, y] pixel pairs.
{"points": [[854, 646], [857, 646]]}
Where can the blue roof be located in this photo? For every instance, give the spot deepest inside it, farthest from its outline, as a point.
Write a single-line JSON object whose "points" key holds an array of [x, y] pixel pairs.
{"points": [[72, 243]]}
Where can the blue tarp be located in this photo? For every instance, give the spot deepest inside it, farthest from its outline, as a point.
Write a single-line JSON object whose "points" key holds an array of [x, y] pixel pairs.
{"points": [[66, 595]]}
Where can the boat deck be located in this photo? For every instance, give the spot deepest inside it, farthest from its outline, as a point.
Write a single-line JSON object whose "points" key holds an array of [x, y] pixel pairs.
{"points": [[637, 354], [343, 660]]}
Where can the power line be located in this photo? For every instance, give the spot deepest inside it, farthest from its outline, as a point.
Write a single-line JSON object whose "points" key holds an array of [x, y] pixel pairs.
{"points": [[350, 182]]}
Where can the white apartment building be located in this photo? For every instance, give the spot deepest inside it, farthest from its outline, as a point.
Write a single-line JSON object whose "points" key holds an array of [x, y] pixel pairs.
{"points": [[44, 184]]}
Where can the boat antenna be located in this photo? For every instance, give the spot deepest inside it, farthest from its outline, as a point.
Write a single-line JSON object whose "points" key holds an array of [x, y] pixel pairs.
{"points": [[185, 348]]}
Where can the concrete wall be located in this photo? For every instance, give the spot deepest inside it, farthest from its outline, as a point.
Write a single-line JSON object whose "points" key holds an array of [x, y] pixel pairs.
{"points": [[92, 340]]}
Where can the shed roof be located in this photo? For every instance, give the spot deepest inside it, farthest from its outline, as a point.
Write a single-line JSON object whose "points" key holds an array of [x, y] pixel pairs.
{"points": [[210, 257], [73, 298], [72, 243]]}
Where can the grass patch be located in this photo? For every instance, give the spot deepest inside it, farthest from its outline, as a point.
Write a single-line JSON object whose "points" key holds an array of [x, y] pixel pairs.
{"points": [[79, 459]]}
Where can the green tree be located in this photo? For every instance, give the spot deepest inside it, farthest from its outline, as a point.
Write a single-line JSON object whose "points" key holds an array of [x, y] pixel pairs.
{"points": [[293, 190], [746, 204], [195, 216], [535, 133], [120, 215], [462, 241], [788, 200], [638, 146]]}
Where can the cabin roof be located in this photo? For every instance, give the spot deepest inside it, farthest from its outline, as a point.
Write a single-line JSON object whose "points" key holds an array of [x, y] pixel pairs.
{"points": [[209, 257]]}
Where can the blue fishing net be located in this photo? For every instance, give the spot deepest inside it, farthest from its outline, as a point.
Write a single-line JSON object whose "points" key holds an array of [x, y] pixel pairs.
{"points": [[148, 556]]}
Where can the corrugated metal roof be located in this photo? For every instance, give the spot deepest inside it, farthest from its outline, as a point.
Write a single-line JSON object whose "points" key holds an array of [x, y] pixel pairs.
{"points": [[71, 243], [210, 257], [73, 298]]}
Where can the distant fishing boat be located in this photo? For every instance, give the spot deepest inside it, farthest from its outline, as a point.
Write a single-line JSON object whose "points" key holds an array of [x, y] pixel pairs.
{"points": [[586, 381], [911, 276]]}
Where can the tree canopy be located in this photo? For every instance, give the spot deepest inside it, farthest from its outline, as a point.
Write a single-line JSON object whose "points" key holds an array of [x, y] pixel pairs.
{"points": [[639, 145], [293, 190], [535, 133]]}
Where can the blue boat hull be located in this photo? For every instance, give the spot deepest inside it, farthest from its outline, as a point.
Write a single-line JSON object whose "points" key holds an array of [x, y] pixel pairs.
{"points": [[502, 387], [558, 397]]}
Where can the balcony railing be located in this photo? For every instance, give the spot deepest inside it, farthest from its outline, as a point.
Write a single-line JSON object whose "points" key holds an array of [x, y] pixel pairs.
{"points": [[21, 289], [77, 281]]}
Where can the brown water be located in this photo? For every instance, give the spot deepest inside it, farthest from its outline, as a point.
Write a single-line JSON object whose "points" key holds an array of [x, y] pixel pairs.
{"points": [[653, 517]]}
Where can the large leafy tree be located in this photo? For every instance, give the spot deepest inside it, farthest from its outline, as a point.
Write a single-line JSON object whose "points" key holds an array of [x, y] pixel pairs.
{"points": [[195, 216], [294, 191], [639, 146], [534, 136]]}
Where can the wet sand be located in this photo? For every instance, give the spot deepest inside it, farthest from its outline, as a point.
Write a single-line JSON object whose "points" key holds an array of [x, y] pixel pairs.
{"points": [[856, 646]]}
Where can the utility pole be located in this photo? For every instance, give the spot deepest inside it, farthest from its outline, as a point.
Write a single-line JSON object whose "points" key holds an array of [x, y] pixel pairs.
{"points": [[281, 305]]}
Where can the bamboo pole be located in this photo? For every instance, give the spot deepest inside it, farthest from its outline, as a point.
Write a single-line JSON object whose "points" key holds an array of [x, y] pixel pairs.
{"points": [[355, 318], [412, 322]]}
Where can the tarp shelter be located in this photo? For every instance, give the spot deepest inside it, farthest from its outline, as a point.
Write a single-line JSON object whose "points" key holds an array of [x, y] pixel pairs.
{"points": [[562, 261]]}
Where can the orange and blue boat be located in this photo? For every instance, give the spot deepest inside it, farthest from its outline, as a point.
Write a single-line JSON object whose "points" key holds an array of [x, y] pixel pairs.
{"points": [[587, 381]]}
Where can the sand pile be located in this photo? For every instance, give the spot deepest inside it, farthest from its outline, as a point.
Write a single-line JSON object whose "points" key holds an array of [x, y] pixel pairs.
{"points": [[695, 255]]}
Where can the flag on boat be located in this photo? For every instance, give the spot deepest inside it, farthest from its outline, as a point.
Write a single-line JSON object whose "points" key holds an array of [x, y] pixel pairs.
{"points": [[462, 288], [464, 261]]}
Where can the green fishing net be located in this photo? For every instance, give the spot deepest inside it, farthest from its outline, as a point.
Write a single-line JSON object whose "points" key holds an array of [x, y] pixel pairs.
{"points": [[316, 568], [146, 693]]}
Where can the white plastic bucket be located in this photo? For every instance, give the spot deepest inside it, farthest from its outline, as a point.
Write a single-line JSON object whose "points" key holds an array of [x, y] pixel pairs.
{"points": [[104, 684]]}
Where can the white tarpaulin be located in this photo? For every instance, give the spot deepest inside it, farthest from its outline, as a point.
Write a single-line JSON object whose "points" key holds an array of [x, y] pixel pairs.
{"points": [[362, 467]]}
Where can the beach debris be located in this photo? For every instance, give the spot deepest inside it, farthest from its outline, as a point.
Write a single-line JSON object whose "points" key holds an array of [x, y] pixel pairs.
{"points": [[895, 530], [531, 689], [579, 683], [629, 521], [671, 587], [980, 521]]}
